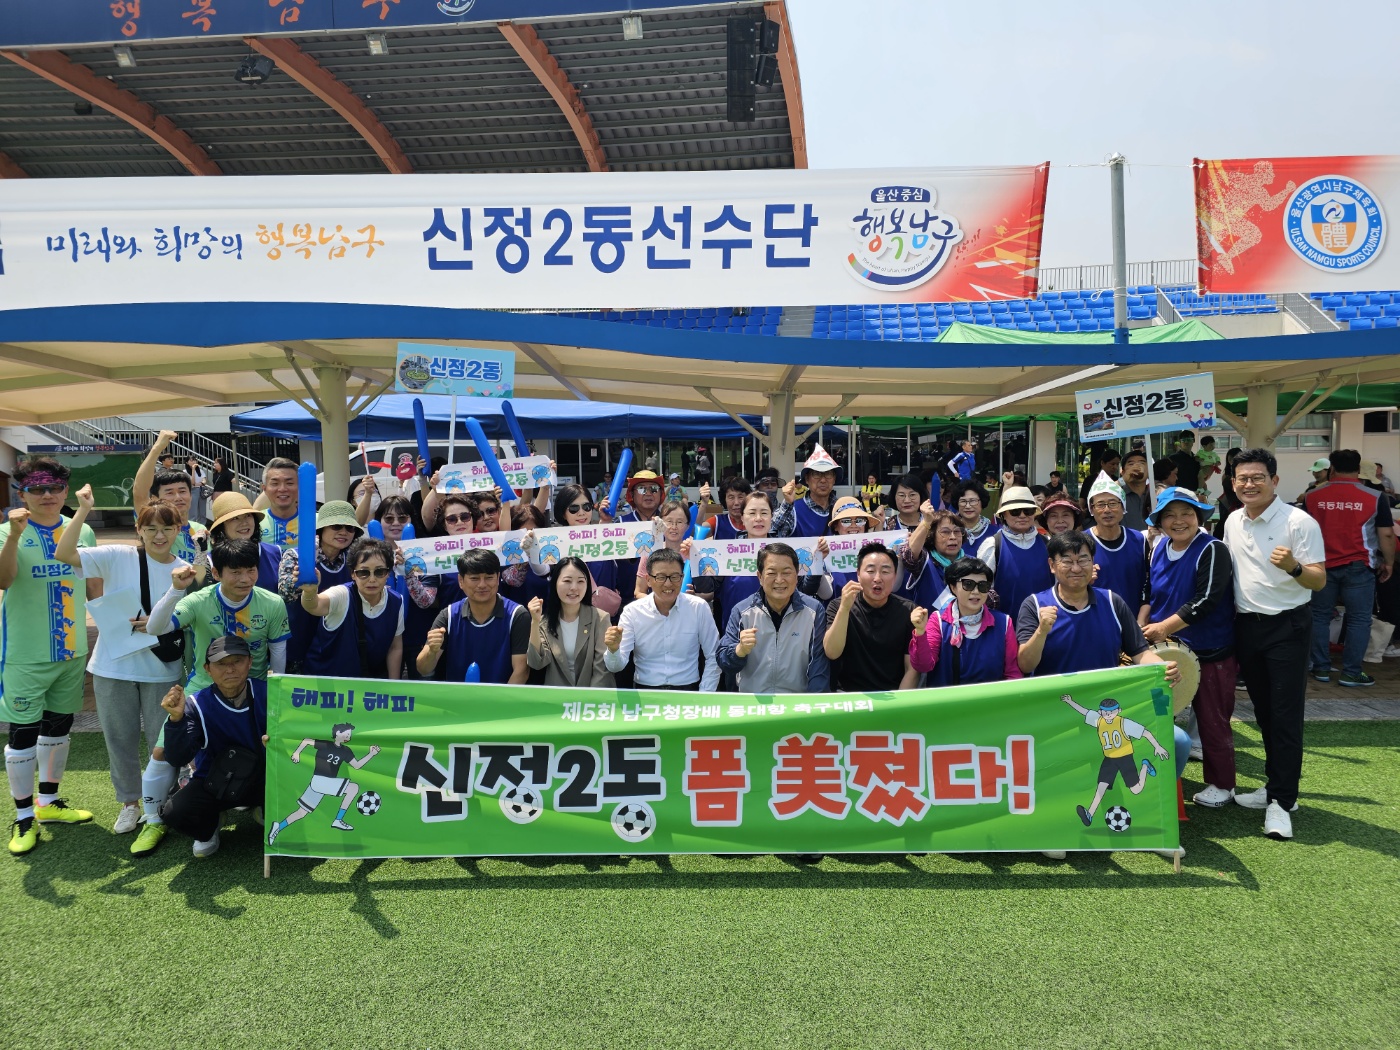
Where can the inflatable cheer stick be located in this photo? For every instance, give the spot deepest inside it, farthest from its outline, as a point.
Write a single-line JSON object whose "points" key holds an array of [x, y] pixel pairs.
{"points": [[306, 523], [473, 673], [489, 458], [516, 434], [702, 533], [420, 430], [694, 514], [376, 530], [624, 467]]}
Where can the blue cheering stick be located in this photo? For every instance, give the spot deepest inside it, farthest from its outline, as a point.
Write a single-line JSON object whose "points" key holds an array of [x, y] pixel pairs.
{"points": [[624, 467], [516, 434], [473, 673], [420, 430], [489, 458], [701, 533], [376, 530], [306, 524], [694, 514]]}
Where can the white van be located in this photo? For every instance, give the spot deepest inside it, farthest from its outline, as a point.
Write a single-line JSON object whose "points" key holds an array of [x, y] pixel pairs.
{"points": [[384, 458]]}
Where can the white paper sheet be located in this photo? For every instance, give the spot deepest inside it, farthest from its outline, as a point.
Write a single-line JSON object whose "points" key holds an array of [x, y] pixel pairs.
{"points": [[112, 613]]}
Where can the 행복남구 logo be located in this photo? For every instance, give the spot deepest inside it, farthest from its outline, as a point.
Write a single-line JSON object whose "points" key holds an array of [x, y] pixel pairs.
{"points": [[902, 240], [1334, 223]]}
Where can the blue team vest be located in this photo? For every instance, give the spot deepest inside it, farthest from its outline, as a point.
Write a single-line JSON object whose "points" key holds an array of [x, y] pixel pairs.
{"points": [[535, 586], [223, 725], [724, 528], [925, 589], [416, 624], [1174, 584], [269, 560], [981, 659], [486, 645], [1124, 570], [808, 522], [971, 543], [338, 652], [1021, 573], [302, 624], [733, 590], [1086, 641]]}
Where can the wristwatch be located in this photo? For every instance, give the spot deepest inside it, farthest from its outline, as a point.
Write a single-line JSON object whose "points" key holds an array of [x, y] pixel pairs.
{"points": [[1297, 570]]}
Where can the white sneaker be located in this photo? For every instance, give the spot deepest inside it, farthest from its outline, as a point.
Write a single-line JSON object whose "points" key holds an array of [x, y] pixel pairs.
{"points": [[1054, 854], [1212, 796], [207, 848], [1392, 651], [127, 819], [1277, 823], [1257, 799]]}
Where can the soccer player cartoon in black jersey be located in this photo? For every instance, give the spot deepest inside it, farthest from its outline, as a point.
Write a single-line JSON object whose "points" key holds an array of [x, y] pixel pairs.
{"points": [[1116, 736], [328, 778]]}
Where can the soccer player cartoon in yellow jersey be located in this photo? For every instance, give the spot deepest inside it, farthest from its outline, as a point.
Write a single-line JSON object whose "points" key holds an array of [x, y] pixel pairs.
{"points": [[1116, 736]]}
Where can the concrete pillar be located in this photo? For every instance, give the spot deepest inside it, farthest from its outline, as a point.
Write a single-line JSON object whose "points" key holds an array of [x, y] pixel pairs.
{"points": [[1262, 415], [780, 430], [1042, 453], [335, 430]]}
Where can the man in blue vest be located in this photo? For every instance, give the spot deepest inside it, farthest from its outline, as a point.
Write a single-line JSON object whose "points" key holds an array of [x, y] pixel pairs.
{"points": [[1120, 554], [482, 628], [809, 515]]}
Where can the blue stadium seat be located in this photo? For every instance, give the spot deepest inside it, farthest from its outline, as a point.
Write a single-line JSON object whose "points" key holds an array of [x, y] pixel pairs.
{"points": [[1388, 322], [1025, 326], [1082, 314], [1050, 296], [908, 309], [1331, 302], [1381, 298], [769, 329], [1347, 313], [1068, 326], [1369, 311], [1356, 299], [1000, 307], [1139, 313], [1361, 323], [1063, 317], [1045, 326]]}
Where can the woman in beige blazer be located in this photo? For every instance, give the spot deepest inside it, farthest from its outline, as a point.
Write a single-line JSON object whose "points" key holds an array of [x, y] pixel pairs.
{"points": [[566, 632]]}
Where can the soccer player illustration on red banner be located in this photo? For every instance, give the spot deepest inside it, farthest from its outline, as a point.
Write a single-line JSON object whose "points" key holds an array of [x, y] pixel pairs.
{"points": [[1116, 736], [327, 778]]}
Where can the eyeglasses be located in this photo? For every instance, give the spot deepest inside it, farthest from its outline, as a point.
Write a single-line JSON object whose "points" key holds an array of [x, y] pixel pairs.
{"points": [[1250, 479], [365, 574], [578, 508], [950, 532], [670, 577], [980, 586], [456, 519], [161, 530], [394, 519], [969, 501], [45, 490], [1020, 512], [647, 490], [1085, 562]]}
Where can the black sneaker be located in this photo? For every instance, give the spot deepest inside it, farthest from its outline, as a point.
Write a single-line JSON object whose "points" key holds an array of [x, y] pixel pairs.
{"points": [[1355, 679], [1321, 674]]}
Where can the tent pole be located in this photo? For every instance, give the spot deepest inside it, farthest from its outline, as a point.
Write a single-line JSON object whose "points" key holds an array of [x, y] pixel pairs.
{"points": [[335, 429], [1120, 250], [452, 434], [1001, 449]]}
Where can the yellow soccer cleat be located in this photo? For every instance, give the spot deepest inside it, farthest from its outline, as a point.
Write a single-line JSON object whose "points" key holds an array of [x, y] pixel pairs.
{"points": [[24, 836], [59, 812], [149, 838]]}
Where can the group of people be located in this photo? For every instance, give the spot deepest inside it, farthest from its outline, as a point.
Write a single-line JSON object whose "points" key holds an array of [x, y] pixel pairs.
{"points": [[1037, 589]]}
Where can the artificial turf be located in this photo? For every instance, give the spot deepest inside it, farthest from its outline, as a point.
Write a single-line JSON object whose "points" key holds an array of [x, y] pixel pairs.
{"points": [[1255, 944]]}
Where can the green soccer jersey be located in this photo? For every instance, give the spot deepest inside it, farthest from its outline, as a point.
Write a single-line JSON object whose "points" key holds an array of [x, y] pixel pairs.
{"points": [[206, 616], [186, 546], [43, 618], [281, 531]]}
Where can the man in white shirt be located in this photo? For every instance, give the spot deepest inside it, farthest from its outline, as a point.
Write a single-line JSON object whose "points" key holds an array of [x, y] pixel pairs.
{"points": [[665, 632], [1279, 561]]}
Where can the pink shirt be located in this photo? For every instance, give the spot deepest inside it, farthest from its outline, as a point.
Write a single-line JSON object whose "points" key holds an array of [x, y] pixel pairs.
{"points": [[924, 648]]}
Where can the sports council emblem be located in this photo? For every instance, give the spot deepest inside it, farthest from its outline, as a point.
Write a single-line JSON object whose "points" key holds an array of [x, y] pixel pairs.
{"points": [[1334, 223], [902, 241], [455, 8], [414, 375]]}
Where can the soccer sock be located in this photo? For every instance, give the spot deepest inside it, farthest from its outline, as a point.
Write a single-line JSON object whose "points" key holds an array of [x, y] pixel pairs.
{"points": [[53, 760], [155, 786], [20, 767], [340, 813]]}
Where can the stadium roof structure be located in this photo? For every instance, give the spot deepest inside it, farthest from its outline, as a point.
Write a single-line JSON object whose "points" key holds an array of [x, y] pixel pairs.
{"points": [[506, 86]]}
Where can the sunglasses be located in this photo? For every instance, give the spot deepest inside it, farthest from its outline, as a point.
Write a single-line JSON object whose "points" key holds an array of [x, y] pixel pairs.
{"points": [[488, 508], [577, 508], [647, 490], [45, 490], [365, 574], [1021, 513], [394, 519], [344, 528], [980, 586], [456, 519]]}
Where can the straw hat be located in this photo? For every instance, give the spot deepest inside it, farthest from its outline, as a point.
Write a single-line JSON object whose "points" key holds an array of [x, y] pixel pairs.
{"points": [[229, 505], [848, 507], [1016, 497]]}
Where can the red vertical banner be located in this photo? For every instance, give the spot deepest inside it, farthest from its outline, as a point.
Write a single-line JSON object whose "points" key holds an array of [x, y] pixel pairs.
{"points": [[1295, 224]]}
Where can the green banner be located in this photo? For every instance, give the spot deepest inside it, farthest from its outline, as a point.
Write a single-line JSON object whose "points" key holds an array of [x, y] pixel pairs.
{"points": [[365, 769]]}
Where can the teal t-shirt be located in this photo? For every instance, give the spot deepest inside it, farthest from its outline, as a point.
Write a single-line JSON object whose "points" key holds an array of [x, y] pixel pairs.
{"points": [[43, 618]]}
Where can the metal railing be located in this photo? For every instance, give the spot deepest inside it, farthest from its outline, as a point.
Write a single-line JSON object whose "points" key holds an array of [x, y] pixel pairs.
{"points": [[1155, 272], [117, 430], [1307, 313]]}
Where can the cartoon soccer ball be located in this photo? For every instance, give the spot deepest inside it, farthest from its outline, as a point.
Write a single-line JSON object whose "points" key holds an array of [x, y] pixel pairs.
{"points": [[522, 804], [369, 803], [1118, 819], [633, 821]]}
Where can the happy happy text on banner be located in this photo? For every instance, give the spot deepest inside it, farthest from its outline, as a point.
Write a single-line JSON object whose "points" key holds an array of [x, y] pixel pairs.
{"points": [[546, 241]]}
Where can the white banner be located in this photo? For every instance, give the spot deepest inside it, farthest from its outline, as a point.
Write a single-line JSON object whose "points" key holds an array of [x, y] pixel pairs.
{"points": [[740, 557], [1181, 403], [532, 472], [554, 241], [843, 550], [617, 541], [439, 554]]}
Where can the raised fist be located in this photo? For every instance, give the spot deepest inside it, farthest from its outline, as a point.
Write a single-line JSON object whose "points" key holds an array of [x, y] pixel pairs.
{"points": [[436, 637], [536, 608], [748, 638], [19, 520], [850, 593], [85, 499], [612, 638], [1048, 613], [919, 619], [182, 577], [174, 703]]}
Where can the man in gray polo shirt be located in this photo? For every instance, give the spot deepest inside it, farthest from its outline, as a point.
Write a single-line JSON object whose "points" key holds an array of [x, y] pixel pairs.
{"points": [[1279, 561], [773, 641]]}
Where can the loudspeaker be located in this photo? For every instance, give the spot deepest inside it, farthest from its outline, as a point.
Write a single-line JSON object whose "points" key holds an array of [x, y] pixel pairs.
{"points": [[742, 41]]}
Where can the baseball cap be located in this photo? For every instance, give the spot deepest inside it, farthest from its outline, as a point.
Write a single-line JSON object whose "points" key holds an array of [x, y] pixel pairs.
{"points": [[1321, 464], [228, 645]]}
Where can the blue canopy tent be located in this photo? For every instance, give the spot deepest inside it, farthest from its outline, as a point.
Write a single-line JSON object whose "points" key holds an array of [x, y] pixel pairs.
{"points": [[390, 418]]}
